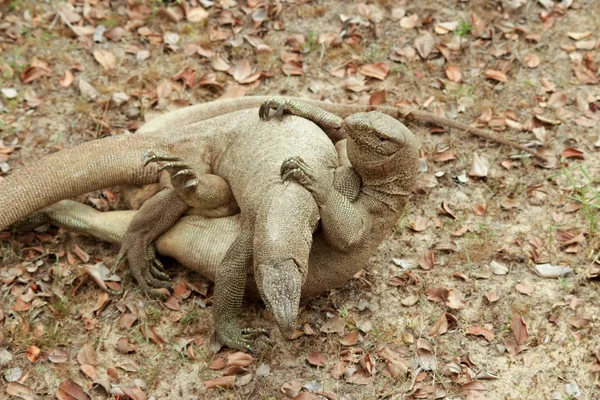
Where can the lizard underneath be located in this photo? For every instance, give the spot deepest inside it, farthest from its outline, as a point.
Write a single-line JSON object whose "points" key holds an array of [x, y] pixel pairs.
{"points": [[385, 155]]}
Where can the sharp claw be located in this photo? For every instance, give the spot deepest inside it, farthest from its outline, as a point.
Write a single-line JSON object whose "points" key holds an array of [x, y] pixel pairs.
{"points": [[190, 184], [280, 110], [148, 157], [182, 172]]}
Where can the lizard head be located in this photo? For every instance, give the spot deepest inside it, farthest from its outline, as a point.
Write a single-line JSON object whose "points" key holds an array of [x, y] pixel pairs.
{"points": [[376, 132], [280, 285]]}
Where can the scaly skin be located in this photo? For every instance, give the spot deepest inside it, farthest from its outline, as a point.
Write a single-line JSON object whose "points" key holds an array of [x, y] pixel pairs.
{"points": [[384, 153], [244, 151]]}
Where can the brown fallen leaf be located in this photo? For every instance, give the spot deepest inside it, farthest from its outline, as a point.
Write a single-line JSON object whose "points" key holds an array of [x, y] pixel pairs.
{"points": [[419, 224], [378, 70], [217, 364], [67, 79], [427, 260], [496, 75], [480, 331], [58, 356], [134, 393], [69, 390], [149, 334], [519, 328], [525, 288], [105, 58], [443, 324], [350, 339], [317, 359], [19, 390], [33, 353], [224, 382], [172, 303], [127, 320], [378, 97], [124, 347], [453, 73], [89, 370], [240, 359], [571, 152], [532, 61], [87, 355]]}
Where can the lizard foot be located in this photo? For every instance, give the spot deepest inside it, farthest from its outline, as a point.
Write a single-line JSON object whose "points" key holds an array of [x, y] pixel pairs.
{"points": [[147, 270], [183, 177], [235, 337], [277, 104], [294, 168]]}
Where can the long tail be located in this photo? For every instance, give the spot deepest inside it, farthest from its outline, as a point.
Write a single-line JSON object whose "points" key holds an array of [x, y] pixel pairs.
{"points": [[71, 172]]}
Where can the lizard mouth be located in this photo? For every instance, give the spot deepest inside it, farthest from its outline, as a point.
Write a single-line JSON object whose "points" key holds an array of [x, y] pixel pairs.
{"points": [[372, 137], [280, 285]]}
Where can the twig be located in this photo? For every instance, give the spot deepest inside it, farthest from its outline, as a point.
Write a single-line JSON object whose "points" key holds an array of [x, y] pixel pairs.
{"points": [[66, 21], [423, 116]]}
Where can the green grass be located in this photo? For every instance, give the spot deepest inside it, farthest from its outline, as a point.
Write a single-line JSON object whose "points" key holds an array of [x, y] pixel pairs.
{"points": [[464, 29]]}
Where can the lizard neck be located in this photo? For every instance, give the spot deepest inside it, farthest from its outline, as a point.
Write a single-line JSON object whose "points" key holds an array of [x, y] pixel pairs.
{"points": [[387, 179]]}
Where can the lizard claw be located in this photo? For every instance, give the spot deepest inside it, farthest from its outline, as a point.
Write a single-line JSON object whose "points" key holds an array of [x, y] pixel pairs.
{"points": [[294, 168], [277, 104], [237, 338]]}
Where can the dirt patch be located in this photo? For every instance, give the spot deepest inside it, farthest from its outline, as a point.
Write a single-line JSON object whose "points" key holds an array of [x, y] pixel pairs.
{"points": [[398, 338]]}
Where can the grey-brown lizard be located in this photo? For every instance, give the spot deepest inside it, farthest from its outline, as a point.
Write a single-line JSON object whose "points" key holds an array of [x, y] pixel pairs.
{"points": [[342, 108], [386, 153]]}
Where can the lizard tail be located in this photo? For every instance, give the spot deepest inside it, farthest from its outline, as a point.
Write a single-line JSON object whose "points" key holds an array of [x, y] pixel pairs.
{"points": [[71, 172]]}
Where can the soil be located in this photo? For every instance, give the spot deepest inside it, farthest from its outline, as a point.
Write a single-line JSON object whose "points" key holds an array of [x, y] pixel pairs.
{"points": [[478, 322]]}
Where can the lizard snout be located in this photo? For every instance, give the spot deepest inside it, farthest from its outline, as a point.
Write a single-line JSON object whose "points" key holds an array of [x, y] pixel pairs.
{"points": [[280, 285]]}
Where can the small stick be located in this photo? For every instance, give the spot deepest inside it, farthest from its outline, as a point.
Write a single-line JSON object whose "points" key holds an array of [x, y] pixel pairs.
{"points": [[423, 116]]}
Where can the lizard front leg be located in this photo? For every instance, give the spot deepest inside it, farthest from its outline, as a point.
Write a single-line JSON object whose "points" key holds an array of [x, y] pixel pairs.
{"points": [[331, 124], [230, 283], [345, 223]]}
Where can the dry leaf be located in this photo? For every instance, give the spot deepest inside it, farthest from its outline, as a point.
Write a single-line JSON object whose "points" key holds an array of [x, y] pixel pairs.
{"points": [[409, 22], [410, 300], [419, 224], [19, 390], [525, 288], [571, 152], [453, 73], [317, 359], [479, 167], [496, 75], [378, 71], [240, 359], [425, 43], [427, 260], [67, 79], [532, 61], [105, 58], [196, 14], [225, 382], [87, 355], [350, 339], [89, 370], [378, 97], [69, 390], [519, 328], [479, 331]]}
